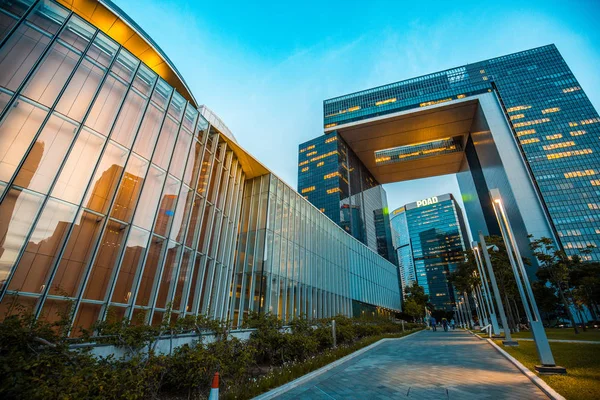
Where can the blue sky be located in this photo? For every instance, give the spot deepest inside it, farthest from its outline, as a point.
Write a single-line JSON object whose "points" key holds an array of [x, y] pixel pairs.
{"points": [[266, 67]]}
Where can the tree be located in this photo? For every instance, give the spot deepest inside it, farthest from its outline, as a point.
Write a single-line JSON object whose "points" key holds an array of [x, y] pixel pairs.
{"points": [[546, 299], [416, 301], [413, 309], [585, 277], [554, 268]]}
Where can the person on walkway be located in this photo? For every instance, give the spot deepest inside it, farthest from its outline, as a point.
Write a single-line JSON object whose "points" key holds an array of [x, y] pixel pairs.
{"points": [[453, 324], [445, 324], [432, 323]]}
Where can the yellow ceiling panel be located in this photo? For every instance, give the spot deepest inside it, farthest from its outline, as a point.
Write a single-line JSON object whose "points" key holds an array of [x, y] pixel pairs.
{"points": [[137, 45], [103, 18], [85, 8], [120, 31], [151, 58], [66, 3]]}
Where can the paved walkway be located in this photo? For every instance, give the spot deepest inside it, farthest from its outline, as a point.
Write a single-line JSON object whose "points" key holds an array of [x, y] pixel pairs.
{"points": [[427, 365]]}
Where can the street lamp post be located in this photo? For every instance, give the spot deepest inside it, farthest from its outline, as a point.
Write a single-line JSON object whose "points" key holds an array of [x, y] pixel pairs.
{"points": [[486, 290], [486, 256], [483, 310], [533, 316]]}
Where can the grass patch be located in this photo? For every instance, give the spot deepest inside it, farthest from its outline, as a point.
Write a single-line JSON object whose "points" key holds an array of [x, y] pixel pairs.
{"points": [[581, 360], [281, 375], [564, 334]]}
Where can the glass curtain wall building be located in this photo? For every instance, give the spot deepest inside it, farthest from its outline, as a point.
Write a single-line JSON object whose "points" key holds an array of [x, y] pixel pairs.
{"points": [[120, 196], [555, 129], [401, 243], [437, 239], [334, 180]]}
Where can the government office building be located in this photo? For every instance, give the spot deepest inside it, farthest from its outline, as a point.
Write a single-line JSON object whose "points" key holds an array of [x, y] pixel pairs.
{"points": [[430, 239], [519, 123], [122, 196]]}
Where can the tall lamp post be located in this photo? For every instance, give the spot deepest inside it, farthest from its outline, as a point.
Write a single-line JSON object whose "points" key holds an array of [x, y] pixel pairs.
{"points": [[548, 366], [486, 290]]}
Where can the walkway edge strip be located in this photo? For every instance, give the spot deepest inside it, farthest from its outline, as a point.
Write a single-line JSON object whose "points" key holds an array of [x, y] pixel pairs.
{"points": [[304, 378], [553, 394]]}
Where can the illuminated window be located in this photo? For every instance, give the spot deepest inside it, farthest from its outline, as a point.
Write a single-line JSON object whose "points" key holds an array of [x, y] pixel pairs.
{"points": [[303, 163], [590, 121], [526, 132], [482, 71], [577, 133], [533, 122], [303, 150], [518, 108], [595, 182], [550, 110], [310, 147], [461, 96], [308, 189], [517, 116], [528, 141], [387, 101], [555, 136], [334, 190], [322, 156], [320, 163], [485, 78], [573, 124], [330, 125], [322, 210], [312, 153], [331, 139], [332, 175], [558, 145], [568, 154], [593, 206], [382, 159], [571, 89], [575, 174], [304, 169], [430, 103]]}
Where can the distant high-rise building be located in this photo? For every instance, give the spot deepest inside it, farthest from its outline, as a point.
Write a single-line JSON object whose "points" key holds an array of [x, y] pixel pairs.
{"points": [[430, 239]]}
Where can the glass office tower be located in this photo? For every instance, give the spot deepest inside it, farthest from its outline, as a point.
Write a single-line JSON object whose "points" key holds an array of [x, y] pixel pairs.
{"points": [[437, 239], [401, 243], [120, 196], [554, 124], [334, 180]]}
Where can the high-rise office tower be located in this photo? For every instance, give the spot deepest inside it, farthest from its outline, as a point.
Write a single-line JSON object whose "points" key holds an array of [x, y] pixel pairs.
{"points": [[519, 123], [431, 239]]}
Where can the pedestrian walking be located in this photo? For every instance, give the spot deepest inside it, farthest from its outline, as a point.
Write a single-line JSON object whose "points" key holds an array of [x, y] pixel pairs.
{"points": [[445, 324], [453, 324], [433, 322]]}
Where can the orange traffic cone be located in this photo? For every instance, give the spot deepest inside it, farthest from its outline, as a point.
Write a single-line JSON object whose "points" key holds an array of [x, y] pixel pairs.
{"points": [[214, 389]]}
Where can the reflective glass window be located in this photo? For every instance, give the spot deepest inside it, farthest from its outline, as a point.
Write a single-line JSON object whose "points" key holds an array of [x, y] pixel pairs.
{"points": [[18, 55], [166, 142], [133, 258], [125, 65], [183, 278], [4, 99], [193, 164], [48, 16], [177, 106], [42, 249], [129, 189], [162, 94], [144, 80], [17, 130], [102, 50], [107, 177], [151, 270], [146, 138], [80, 91], [47, 154], [17, 212], [144, 214], [169, 278], [7, 22], [182, 212], [166, 210], [77, 33], [204, 175], [180, 155], [129, 119], [189, 120], [78, 250], [79, 166], [16, 7], [107, 256], [105, 107], [51, 75]]}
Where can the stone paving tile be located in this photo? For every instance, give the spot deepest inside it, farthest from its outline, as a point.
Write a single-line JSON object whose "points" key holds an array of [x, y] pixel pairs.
{"points": [[428, 365]]}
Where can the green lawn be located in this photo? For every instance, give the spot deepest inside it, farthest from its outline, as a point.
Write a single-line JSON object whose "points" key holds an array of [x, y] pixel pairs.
{"points": [[581, 360], [565, 334]]}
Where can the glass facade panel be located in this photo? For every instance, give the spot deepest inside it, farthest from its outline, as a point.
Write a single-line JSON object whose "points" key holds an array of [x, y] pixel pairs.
{"points": [[80, 91], [133, 258], [129, 119], [144, 215], [77, 33], [129, 188], [17, 131], [148, 134], [105, 107], [166, 142]]}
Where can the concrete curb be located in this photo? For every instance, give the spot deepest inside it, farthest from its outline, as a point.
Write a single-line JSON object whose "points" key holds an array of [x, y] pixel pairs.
{"points": [[304, 378], [551, 393], [563, 341]]}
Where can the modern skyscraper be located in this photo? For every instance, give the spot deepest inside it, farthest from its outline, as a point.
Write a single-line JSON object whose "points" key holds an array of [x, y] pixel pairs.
{"points": [[519, 123], [437, 239], [120, 193], [332, 178], [402, 247]]}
